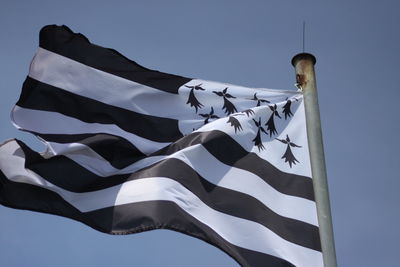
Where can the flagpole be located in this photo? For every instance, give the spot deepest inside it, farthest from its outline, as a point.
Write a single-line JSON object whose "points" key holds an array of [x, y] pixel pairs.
{"points": [[305, 78]]}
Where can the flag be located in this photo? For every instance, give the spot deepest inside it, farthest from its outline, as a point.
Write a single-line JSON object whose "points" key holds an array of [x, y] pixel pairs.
{"points": [[129, 149]]}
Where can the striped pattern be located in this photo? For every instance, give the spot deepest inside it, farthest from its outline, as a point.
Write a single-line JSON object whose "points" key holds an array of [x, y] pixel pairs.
{"points": [[131, 149]]}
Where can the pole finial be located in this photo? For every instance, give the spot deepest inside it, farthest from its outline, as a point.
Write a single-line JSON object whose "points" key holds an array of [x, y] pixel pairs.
{"points": [[303, 56]]}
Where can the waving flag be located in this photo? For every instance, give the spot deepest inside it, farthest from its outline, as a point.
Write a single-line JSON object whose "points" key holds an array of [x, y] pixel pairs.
{"points": [[131, 149]]}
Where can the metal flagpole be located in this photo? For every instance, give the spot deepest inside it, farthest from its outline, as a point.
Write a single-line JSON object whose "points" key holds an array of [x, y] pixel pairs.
{"points": [[305, 78]]}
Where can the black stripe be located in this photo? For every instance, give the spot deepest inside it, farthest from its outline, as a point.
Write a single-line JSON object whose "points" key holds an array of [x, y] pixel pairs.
{"points": [[228, 151], [129, 218], [61, 40], [41, 96], [218, 198], [167, 215], [119, 152], [66, 173]]}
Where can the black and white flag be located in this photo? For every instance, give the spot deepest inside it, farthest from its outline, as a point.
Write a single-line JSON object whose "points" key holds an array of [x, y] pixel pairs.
{"points": [[131, 149]]}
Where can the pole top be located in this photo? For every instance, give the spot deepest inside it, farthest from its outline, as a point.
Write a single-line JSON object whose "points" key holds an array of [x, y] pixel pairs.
{"points": [[303, 56]]}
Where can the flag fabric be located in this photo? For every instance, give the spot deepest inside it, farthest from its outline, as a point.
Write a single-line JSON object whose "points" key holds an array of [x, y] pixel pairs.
{"points": [[129, 149]]}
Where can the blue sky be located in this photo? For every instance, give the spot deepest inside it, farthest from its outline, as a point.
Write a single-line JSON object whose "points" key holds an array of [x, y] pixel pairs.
{"points": [[248, 43]]}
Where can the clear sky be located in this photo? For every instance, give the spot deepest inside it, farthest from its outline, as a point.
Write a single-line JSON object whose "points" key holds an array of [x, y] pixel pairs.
{"points": [[247, 43]]}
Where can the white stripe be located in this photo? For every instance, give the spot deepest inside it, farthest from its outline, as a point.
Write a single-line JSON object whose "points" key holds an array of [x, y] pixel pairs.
{"points": [[77, 78], [211, 169], [46, 122], [89, 159], [246, 182], [72, 76], [240, 232]]}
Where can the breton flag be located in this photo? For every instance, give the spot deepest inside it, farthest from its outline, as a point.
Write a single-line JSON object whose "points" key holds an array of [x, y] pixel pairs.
{"points": [[131, 149]]}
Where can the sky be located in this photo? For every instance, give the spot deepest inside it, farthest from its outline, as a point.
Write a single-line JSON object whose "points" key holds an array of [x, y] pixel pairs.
{"points": [[248, 43]]}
